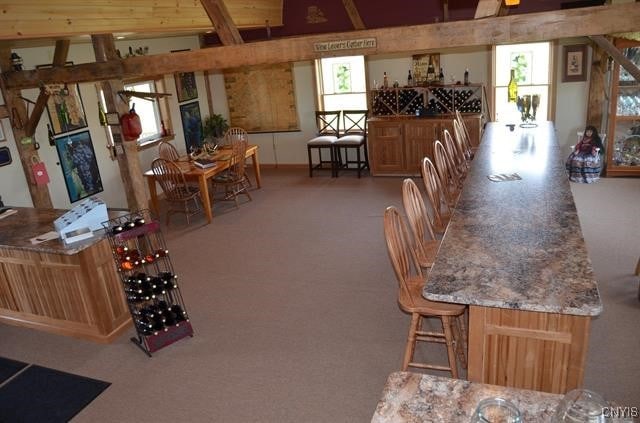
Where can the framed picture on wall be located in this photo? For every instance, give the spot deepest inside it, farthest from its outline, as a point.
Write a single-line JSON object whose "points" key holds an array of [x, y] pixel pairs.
{"points": [[65, 108], [79, 165], [191, 125], [575, 63], [186, 88]]}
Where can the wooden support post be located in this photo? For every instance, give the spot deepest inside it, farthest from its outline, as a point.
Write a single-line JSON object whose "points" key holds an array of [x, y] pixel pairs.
{"points": [[127, 151], [17, 111], [353, 13], [221, 20], [598, 89], [617, 55]]}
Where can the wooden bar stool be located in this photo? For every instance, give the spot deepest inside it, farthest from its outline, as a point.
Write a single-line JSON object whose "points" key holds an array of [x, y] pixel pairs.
{"points": [[449, 178], [436, 195], [328, 124], [410, 300], [425, 243]]}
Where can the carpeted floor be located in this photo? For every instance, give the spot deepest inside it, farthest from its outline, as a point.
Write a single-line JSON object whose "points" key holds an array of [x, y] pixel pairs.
{"points": [[293, 303]]}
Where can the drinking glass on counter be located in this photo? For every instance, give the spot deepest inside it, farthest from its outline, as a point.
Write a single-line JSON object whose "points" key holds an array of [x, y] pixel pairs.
{"points": [[496, 410], [581, 405]]}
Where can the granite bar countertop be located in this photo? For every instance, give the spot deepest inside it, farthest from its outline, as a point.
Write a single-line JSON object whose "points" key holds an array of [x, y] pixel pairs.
{"points": [[516, 244], [415, 398], [17, 230]]}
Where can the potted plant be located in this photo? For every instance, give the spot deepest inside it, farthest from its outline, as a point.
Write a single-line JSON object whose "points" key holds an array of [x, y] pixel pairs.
{"points": [[213, 128]]}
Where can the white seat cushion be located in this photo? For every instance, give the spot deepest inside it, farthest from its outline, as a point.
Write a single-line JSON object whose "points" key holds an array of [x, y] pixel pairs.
{"points": [[322, 140], [351, 139]]}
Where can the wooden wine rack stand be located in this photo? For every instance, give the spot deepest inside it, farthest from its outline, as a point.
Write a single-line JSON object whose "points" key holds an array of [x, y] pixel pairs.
{"points": [[436, 99], [149, 283]]}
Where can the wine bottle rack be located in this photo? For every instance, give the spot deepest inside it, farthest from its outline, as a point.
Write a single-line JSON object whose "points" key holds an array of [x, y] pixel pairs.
{"points": [[149, 283], [440, 99]]}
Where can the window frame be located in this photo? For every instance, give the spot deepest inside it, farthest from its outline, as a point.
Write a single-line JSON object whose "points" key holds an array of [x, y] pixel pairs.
{"points": [[320, 88]]}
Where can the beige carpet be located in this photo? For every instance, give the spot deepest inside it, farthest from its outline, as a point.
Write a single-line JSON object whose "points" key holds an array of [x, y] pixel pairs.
{"points": [[293, 303]]}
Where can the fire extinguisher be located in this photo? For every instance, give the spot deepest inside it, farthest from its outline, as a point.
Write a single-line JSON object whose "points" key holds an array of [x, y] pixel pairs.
{"points": [[131, 125]]}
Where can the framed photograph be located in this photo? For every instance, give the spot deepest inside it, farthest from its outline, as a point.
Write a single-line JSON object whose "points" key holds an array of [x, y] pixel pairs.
{"points": [[575, 63], [425, 68], [65, 108], [79, 165], [191, 125], [186, 86]]}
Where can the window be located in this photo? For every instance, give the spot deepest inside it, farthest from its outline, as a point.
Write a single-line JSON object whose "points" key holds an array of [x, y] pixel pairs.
{"points": [[342, 83], [148, 110], [530, 63]]}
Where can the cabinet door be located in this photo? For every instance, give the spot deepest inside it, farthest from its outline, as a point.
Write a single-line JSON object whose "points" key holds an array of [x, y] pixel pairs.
{"points": [[386, 148], [622, 144], [419, 138]]}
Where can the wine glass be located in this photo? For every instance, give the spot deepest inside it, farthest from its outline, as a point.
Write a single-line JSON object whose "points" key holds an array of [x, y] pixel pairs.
{"points": [[526, 103], [580, 405], [496, 410], [535, 103]]}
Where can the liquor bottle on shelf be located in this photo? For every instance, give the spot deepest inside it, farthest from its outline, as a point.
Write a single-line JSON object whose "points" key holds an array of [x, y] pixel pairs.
{"points": [[431, 71], [385, 81], [441, 76], [513, 87], [466, 76], [409, 79]]}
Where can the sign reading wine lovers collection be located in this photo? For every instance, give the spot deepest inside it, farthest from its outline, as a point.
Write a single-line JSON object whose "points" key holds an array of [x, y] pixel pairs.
{"points": [[345, 44]]}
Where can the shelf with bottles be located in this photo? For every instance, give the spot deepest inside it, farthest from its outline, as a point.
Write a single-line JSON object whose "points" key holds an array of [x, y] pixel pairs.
{"points": [[437, 99], [149, 282], [622, 148]]}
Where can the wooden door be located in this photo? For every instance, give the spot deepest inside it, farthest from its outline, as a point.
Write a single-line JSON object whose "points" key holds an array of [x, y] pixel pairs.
{"points": [[419, 138], [386, 147]]}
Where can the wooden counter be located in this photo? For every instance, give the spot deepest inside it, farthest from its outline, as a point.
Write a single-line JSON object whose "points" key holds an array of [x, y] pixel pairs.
{"points": [[69, 290], [514, 252], [397, 145]]}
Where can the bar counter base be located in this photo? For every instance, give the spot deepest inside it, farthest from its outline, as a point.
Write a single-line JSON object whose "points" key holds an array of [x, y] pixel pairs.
{"points": [[78, 295], [527, 349]]}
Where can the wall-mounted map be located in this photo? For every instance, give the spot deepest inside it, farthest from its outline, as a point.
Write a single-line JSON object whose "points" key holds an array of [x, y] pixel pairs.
{"points": [[262, 98]]}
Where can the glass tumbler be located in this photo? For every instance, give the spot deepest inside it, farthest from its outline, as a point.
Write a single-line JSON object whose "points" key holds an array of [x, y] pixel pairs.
{"points": [[496, 410], [580, 405]]}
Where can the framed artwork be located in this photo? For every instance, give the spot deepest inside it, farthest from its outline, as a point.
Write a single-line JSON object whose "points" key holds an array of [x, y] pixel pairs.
{"points": [[65, 108], [79, 165], [186, 86], [425, 68], [575, 63], [191, 125]]}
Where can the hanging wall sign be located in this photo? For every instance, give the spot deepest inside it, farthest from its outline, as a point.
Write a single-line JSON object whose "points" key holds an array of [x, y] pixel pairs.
{"points": [[345, 45]]}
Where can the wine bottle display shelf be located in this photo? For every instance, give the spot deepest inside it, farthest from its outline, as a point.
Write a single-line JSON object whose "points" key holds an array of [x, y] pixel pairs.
{"points": [[150, 285], [443, 99]]}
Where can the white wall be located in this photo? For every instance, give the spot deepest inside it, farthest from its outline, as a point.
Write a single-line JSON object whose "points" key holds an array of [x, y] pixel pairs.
{"points": [[275, 148]]}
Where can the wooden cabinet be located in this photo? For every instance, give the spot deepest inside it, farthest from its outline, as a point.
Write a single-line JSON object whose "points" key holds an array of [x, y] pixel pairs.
{"points": [[622, 146], [397, 145]]}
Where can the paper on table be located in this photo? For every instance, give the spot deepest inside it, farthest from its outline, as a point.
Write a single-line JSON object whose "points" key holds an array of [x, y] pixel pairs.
{"points": [[44, 237]]}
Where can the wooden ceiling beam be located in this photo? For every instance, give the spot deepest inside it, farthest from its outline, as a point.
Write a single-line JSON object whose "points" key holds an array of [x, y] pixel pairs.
{"points": [[408, 39], [222, 22], [354, 15], [60, 55], [617, 55]]}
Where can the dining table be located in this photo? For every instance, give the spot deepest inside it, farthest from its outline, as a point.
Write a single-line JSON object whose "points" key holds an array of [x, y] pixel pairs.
{"points": [[515, 253], [193, 173]]}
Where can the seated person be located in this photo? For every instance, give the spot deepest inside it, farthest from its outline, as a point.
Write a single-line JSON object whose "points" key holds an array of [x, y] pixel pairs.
{"points": [[584, 163]]}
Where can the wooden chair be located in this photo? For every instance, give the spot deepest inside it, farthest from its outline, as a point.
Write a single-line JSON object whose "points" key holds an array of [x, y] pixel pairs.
{"points": [[234, 180], [449, 178], [465, 135], [168, 151], [435, 193], [410, 283], [425, 243], [178, 194], [456, 154], [235, 134], [354, 137], [328, 124]]}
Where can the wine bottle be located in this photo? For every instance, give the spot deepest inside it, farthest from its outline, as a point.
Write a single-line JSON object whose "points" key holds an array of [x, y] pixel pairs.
{"points": [[513, 87], [441, 76], [466, 76], [102, 116], [385, 81], [431, 72], [409, 79]]}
